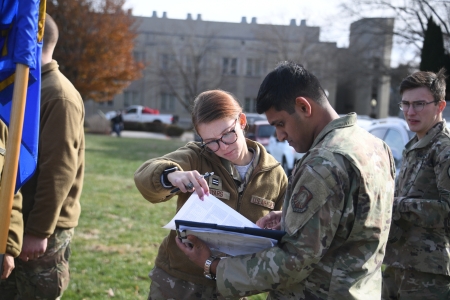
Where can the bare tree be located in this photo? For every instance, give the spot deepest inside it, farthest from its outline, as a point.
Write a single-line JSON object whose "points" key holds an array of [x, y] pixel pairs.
{"points": [[410, 17], [186, 67]]}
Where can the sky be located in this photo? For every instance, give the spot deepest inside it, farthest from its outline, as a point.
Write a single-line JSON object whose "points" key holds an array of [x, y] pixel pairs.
{"points": [[323, 13]]}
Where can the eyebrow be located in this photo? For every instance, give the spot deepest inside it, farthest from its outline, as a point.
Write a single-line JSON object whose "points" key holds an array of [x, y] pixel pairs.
{"points": [[414, 101], [226, 130]]}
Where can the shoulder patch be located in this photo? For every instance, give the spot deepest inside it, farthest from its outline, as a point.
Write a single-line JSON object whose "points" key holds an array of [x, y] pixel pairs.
{"points": [[301, 199], [262, 202]]}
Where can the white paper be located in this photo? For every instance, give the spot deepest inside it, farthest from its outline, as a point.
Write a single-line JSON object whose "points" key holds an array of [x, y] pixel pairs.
{"points": [[210, 210]]}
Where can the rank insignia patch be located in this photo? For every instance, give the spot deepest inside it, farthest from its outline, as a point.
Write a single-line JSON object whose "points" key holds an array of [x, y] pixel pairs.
{"points": [[215, 182], [301, 199]]}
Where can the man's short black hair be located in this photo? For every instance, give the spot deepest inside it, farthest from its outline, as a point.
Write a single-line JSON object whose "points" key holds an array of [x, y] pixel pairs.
{"points": [[284, 84]]}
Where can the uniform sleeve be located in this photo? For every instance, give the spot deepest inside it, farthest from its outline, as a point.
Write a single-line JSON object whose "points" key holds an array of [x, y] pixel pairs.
{"points": [[15, 232], [428, 213], [148, 176], [281, 196], [311, 217], [60, 130]]}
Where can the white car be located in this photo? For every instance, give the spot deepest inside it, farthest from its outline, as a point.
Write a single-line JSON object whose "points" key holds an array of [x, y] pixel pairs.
{"points": [[283, 153], [395, 132]]}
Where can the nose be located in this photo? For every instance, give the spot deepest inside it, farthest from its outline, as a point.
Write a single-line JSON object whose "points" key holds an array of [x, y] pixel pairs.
{"points": [[222, 145], [281, 135], [410, 111]]}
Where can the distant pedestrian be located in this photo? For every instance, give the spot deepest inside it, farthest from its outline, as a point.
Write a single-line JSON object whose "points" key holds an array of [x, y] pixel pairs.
{"points": [[417, 254], [117, 123]]}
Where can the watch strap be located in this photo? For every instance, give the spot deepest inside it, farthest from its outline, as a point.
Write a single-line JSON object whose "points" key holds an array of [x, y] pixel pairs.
{"points": [[207, 267]]}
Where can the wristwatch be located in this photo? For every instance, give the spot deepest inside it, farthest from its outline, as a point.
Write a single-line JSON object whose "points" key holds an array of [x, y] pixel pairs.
{"points": [[164, 181], [207, 267]]}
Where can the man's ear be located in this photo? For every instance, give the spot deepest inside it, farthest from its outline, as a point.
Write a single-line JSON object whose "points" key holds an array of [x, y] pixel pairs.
{"points": [[303, 106]]}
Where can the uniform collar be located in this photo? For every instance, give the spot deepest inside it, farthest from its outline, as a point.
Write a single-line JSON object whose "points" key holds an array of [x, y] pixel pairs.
{"points": [[415, 143], [345, 121]]}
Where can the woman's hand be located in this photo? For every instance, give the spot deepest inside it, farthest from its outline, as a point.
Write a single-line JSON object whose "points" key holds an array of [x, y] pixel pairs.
{"points": [[188, 181]]}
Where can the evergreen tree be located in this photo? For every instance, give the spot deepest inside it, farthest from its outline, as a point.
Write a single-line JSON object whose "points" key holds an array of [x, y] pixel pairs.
{"points": [[433, 52], [433, 56]]}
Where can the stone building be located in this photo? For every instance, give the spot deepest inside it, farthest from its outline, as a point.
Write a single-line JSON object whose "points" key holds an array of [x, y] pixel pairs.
{"points": [[186, 57]]}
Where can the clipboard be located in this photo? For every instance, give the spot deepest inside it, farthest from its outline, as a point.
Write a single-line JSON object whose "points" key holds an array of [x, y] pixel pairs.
{"points": [[229, 240], [267, 233]]}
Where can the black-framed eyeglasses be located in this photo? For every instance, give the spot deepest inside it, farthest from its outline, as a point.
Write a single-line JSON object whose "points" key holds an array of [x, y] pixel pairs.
{"points": [[228, 138], [416, 105]]}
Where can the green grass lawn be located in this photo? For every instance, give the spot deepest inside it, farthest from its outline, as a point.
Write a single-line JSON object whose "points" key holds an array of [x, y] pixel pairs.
{"points": [[119, 232]]}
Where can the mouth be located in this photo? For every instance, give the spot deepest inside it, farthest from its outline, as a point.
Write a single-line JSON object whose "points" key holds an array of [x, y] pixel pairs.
{"points": [[412, 121], [229, 153]]}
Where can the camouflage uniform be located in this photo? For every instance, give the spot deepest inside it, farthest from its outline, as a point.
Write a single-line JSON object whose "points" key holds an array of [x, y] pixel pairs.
{"points": [[419, 240], [44, 278], [337, 218]]}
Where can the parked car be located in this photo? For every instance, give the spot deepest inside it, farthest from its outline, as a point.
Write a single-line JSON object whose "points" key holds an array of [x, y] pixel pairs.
{"points": [[253, 117], [260, 131], [142, 114], [283, 153], [395, 132]]}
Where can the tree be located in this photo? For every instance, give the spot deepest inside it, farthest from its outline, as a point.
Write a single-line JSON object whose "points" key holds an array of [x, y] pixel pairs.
{"points": [[433, 56], [95, 46], [433, 52], [186, 69], [410, 17]]}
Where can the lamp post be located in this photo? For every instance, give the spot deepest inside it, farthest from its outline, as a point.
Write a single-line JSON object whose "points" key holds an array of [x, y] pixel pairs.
{"points": [[373, 104]]}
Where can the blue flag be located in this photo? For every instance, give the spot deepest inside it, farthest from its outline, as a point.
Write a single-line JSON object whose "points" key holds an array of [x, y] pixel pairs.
{"points": [[21, 42]]}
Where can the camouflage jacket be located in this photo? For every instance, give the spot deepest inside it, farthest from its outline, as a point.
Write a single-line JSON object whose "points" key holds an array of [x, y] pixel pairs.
{"points": [[419, 237], [336, 215]]}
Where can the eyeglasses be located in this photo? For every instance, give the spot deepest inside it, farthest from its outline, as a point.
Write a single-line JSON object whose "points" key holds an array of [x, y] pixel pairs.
{"points": [[417, 105], [228, 138]]}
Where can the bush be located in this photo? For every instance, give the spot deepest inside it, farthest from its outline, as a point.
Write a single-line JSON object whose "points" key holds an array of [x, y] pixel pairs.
{"points": [[155, 127], [174, 130]]}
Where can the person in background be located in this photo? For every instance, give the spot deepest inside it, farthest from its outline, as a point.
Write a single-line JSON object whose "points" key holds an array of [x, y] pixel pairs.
{"points": [[117, 123], [51, 198], [337, 209], [245, 177], [15, 234], [417, 255]]}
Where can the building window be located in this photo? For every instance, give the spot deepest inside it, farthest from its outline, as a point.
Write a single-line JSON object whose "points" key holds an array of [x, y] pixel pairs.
{"points": [[168, 102], [249, 105], [139, 56], [229, 65], [130, 98], [167, 61], [253, 67]]}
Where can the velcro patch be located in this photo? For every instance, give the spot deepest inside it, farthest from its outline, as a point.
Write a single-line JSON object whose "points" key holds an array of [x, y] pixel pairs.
{"points": [[215, 182], [220, 194], [301, 199], [262, 202]]}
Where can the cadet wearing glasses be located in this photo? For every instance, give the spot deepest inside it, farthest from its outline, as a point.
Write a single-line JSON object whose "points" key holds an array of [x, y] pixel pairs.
{"points": [[246, 178], [417, 254]]}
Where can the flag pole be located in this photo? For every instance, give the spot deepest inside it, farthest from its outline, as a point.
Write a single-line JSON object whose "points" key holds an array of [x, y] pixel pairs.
{"points": [[8, 181]]}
